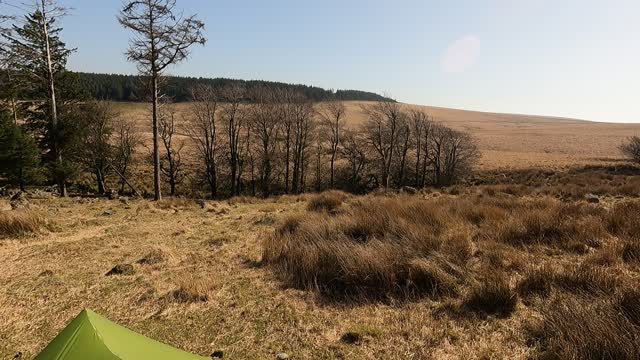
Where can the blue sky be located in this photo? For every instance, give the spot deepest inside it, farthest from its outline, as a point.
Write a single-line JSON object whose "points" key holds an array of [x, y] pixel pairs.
{"points": [[571, 58]]}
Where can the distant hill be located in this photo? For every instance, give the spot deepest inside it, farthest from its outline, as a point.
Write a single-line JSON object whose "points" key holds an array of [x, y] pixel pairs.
{"points": [[128, 88]]}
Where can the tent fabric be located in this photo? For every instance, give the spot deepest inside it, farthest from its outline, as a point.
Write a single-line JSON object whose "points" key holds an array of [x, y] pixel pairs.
{"points": [[91, 336]]}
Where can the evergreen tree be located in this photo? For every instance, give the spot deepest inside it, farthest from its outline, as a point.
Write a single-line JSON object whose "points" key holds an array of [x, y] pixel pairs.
{"points": [[37, 57], [19, 154]]}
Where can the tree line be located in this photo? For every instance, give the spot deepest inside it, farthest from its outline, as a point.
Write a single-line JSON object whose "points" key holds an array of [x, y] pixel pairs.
{"points": [[132, 88], [256, 138]]}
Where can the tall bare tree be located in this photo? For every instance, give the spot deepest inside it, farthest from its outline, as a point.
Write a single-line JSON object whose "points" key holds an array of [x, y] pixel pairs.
{"points": [[303, 123], [203, 131], [162, 38], [265, 128], [234, 120], [332, 119]]}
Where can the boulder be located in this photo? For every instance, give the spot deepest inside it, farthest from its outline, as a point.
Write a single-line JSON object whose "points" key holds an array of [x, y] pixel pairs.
{"points": [[19, 201]]}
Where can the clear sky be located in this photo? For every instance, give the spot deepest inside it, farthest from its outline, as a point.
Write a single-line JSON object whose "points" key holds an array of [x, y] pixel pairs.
{"points": [[570, 58]]}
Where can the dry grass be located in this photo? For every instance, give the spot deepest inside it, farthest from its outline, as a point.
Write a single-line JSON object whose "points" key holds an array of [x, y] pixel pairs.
{"points": [[329, 201], [575, 328], [20, 222], [492, 295], [393, 276]]}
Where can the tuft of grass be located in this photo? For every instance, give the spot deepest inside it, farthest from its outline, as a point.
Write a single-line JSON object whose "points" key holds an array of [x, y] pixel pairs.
{"points": [[586, 279], [329, 201], [155, 256], [492, 295], [537, 282], [628, 302], [360, 333], [576, 328], [20, 222], [190, 290], [631, 250]]}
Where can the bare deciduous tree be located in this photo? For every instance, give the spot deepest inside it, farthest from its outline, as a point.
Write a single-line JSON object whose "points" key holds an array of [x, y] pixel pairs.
{"points": [[171, 161], [265, 125], [332, 119], [452, 154], [381, 130], [353, 151], [127, 140], [162, 38], [421, 124], [202, 129], [631, 148], [98, 150], [234, 120]]}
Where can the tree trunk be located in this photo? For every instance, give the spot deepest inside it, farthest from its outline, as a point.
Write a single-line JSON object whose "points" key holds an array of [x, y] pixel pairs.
{"points": [[156, 153], [100, 182], [52, 93]]}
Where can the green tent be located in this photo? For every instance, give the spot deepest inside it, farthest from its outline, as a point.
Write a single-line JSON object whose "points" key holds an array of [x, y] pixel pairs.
{"points": [[90, 336]]}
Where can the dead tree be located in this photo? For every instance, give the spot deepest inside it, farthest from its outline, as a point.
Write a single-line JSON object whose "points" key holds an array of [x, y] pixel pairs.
{"points": [[202, 129], [303, 123], [162, 38], [332, 119]]}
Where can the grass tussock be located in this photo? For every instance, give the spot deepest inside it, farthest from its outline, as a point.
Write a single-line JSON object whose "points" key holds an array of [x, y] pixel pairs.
{"points": [[379, 248], [576, 328], [537, 281], [175, 203], [403, 246], [190, 290], [20, 222], [492, 295], [329, 201]]}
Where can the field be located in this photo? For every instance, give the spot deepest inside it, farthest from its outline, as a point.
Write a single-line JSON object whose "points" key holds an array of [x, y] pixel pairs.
{"points": [[540, 258], [507, 141]]}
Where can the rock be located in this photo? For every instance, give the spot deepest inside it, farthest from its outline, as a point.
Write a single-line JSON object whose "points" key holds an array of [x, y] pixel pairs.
{"points": [[592, 199], [121, 269], [409, 190], [218, 354], [19, 201], [108, 212], [282, 356], [112, 195], [201, 203]]}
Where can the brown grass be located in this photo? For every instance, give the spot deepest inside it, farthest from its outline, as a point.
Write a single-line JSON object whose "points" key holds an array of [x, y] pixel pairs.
{"points": [[574, 328], [20, 222], [418, 267], [328, 201], [492, 295]]}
